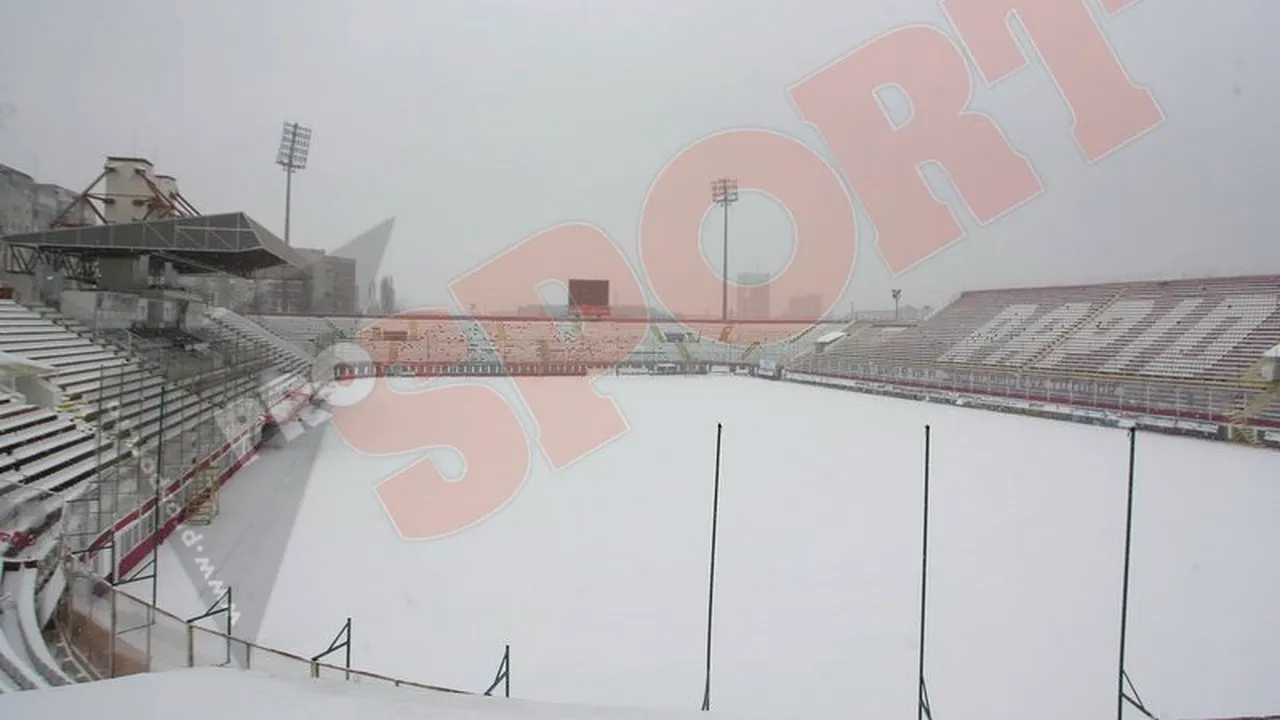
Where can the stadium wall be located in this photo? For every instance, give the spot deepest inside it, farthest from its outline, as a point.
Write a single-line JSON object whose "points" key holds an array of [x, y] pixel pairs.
{"points": [[1198, 424]]}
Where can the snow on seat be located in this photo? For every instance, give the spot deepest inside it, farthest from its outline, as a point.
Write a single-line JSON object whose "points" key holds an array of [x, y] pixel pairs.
{"points": [[30, 626], [68, 354], [231, 325], [14, 662], [1211, 330], [1189, 348], [1207, 330], [32, 424], [43, 348]]}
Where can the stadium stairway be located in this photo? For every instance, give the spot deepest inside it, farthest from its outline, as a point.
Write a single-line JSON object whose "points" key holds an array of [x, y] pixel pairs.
{"points": [[1242, 421], [306, 331], [288, 343], [232, 327], [1091, 317], [683, 348]]}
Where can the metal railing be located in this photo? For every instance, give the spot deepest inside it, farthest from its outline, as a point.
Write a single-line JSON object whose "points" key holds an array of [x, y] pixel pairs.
{"points": [[115, 634], [1182, 400]]}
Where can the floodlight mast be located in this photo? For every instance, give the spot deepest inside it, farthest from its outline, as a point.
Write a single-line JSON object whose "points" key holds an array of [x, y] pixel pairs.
{"points": [[295, 147], [725, 192]]}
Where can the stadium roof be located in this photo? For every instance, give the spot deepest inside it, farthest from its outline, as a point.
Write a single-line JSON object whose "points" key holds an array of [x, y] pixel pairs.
{"points": [[228, 243]]}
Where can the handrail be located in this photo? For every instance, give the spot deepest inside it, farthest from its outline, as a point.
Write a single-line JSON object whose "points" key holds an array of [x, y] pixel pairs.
{"points": [[116, 601], [340, 642], [504, 675]]}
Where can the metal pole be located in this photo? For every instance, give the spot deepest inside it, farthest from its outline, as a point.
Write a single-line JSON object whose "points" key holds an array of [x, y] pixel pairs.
{"points": [[711, 585], [288, 197], [921, 699], [231, 626], [115, 621], [158, 480], [1124, 596], [724, 268], [115, 512]]}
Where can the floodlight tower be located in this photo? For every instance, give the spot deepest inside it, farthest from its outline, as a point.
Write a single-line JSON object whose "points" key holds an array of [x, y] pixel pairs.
{"points": [[897, 297], [295, 146], [725, 192]]}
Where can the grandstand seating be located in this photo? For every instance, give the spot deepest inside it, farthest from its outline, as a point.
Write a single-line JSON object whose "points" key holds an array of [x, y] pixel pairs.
{"points": [[1203, 330], [1187, 348], [230, 327], [514, 341], [111, 385], [308, 331], [1187, 334]]}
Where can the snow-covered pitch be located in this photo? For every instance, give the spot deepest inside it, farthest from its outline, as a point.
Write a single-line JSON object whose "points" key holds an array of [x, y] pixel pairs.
{"points": [[596, 575]]}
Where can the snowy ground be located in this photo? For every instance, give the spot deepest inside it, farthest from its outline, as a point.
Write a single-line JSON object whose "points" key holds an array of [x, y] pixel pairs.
{"points": [[596, 575], [219, 694]]}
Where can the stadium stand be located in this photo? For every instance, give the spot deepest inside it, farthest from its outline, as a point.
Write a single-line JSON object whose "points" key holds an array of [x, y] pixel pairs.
{"points": [[237, 329], [117, 404], [81, 412], [1185, 354], [515, 341], [1186, 348], [311, 332], [114, 390]]}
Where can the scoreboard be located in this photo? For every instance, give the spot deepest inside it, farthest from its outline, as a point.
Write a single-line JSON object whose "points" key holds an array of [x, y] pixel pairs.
{"points": [[589, 294]]}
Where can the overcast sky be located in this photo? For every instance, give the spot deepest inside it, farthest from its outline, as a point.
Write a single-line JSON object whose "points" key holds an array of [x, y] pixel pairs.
{"points": [[476, 123]]}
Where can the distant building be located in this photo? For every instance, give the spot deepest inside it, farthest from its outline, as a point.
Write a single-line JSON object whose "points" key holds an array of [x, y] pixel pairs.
{"points": [[326, 286], [28, 206], [541, 311], [905, 314], [336, 290], [564, 311], [804, 307], [630, 311], [753, 296], [17, 208]]}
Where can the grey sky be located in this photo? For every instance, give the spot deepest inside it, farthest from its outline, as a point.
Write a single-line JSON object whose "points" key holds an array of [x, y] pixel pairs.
{"points": [[478, 122]]}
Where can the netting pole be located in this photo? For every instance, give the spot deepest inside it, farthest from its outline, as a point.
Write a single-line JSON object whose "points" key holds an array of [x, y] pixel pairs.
{"points": [[115, 628], [922, 699], [1124, 593], [711, 584], [118, 462], [158, 481], [231, 616], [102, 389]]}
